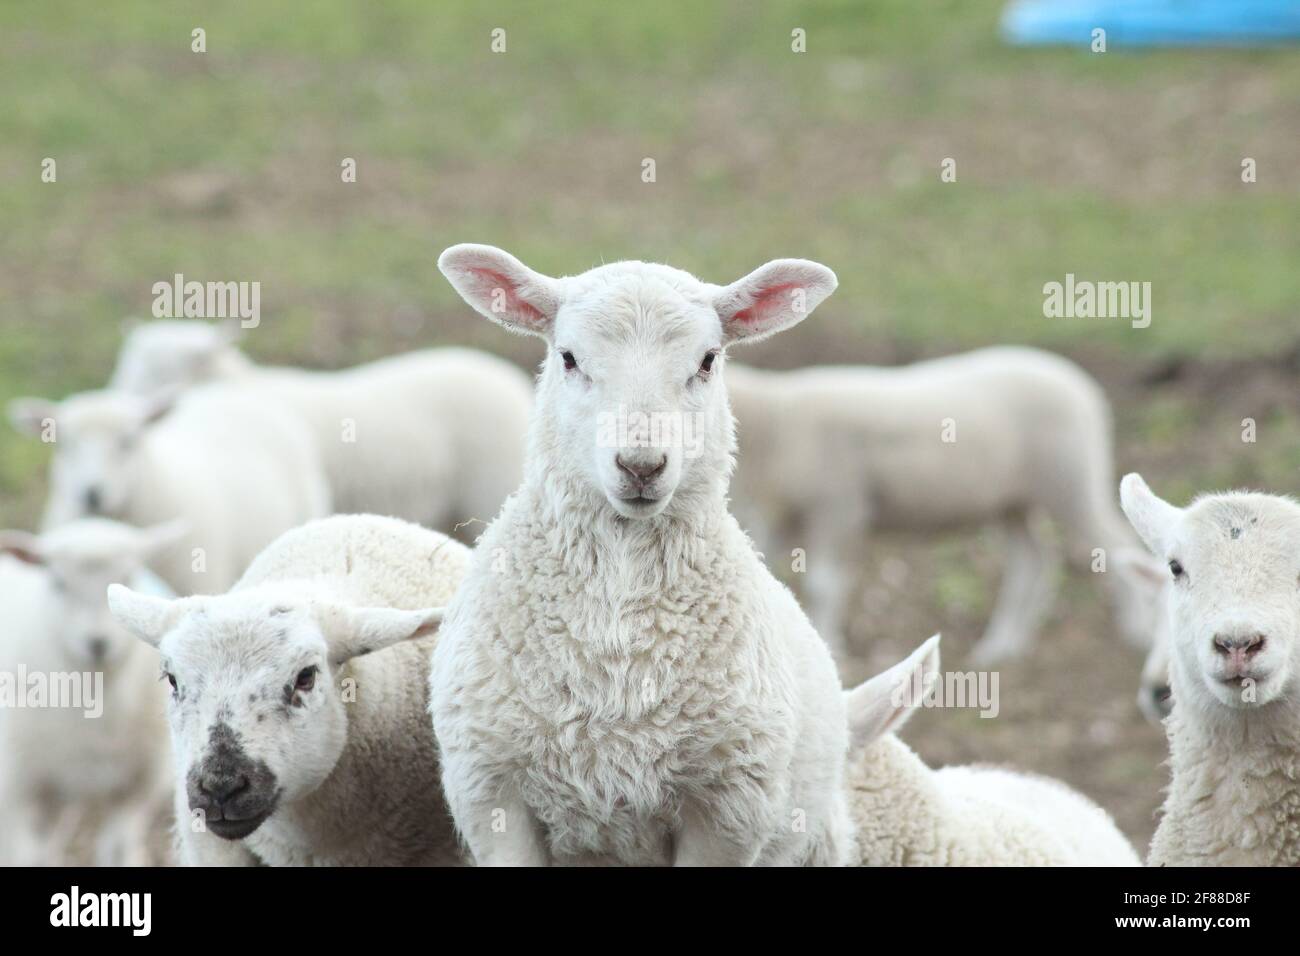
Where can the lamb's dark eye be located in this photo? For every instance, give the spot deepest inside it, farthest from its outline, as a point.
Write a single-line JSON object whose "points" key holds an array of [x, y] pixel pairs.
{"points": [[1176, 569], [171, 679], [706, 366], [306, 679], [570, 363]]}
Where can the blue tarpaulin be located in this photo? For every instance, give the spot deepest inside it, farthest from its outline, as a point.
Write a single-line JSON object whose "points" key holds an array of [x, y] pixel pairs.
{"points": [[1153, 22]]}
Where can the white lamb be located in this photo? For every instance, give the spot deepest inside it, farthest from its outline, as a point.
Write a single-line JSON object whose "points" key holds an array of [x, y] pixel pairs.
{"points": [[435, 436], [291, 746], [620, 679], [239, 471], [908, 814], [1234, 667], [997, 435], [97, 746]]}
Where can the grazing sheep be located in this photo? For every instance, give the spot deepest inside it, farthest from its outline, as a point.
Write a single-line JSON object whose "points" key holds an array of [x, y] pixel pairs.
{"points": [[996, 435], [435, 436], [1234, 663], [238, 470], [908, 814], [620, 679], [292, 747], [98, 744]]}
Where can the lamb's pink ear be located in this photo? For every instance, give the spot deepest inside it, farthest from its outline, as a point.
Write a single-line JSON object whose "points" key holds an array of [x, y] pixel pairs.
{"points": [[23, 546], [884, 703], [502, 288], [771, 298], [353, 631], [1152, 517]]}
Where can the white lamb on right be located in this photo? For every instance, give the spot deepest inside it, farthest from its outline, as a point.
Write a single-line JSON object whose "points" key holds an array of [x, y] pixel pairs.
{"points": [[620, 678], [434, 436], [239, 471], [993, 436], [97, 745], [299, 700], [1234, 668], [908, 814]]}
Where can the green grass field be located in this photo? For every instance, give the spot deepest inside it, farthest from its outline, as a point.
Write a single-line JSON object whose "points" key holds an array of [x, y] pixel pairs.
{"points": [[1122, 167]]}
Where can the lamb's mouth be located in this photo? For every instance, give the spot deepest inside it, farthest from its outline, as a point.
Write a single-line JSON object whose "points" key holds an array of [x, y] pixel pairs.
{"points": [[237, 829], [640, 505]]}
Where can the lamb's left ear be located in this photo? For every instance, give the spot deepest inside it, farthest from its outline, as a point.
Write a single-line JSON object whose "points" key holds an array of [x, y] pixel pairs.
{"points": [[1152, 517], [884, 703], [148, 618], [353, 631], [502, 288], [24, 546], [771, 298]]}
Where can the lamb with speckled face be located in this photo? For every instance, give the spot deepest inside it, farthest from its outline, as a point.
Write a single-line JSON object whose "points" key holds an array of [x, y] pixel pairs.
{"points": [[620, 679], [299, 700]]}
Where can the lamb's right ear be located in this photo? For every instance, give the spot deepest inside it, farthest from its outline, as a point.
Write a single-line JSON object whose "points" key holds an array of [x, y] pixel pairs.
{"points": [[1152, 517], [32, 416], [773, 297], [148, 618], [353, 631], [22, 545], [884, 703], [502, 288]]}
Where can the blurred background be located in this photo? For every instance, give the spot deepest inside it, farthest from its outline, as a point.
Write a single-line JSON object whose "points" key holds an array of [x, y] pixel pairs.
{"points": [[1118, 166]]}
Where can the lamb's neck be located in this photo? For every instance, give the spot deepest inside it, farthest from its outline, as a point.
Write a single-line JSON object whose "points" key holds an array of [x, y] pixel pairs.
{"points": [[1236, 782], [892, 797], [584, 522]]}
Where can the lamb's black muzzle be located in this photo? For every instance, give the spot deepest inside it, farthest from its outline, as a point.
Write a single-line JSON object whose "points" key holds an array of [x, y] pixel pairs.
{"points": [[234, 793]]}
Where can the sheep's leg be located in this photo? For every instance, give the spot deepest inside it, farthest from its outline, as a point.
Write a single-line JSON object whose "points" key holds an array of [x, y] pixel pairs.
{"points": [[1028, 588], [503, 832], [699, 842], [831, 534]]}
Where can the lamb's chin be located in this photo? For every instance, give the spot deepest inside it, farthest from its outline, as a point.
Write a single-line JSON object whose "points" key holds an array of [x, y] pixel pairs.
{"points": [[639, 509]]}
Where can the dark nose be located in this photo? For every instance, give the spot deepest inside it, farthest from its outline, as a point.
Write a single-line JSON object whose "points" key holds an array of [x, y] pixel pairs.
{"points": [[642, 471], [222, 787], [98, 648], [94, 500], [1239, 645], [1163, 698]]}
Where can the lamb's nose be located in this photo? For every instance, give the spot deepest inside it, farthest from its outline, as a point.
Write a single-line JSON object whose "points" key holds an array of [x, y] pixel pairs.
{"points": [[642, 471], [1162, 698], [1239, 645], [94, 500], [98, 648], [221, 787]]}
